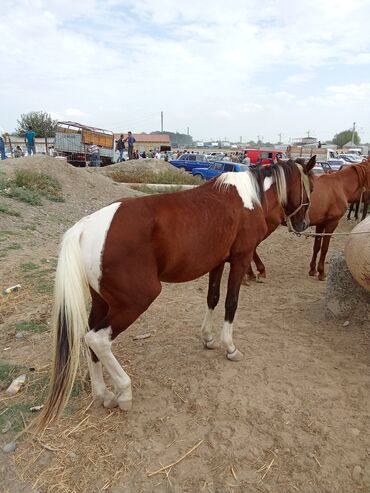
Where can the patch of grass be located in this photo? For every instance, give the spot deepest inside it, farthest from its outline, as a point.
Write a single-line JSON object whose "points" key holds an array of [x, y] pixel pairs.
{"points": [[15, 246], [29, 227], [171, 177], [29, 266], [4, 209], [13, 413], [41, 279], [30, 187], [31, 326], [151, 191], [6, 373], [7, 232]]}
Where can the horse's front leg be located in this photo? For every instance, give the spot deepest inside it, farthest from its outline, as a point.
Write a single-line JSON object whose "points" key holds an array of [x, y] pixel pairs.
{"points": [[237, 270], [316, 249], [213, 296], [329, 228]]}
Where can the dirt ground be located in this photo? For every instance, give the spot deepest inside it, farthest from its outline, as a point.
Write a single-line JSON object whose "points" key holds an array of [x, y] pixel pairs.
{"points": [[292, 416]]}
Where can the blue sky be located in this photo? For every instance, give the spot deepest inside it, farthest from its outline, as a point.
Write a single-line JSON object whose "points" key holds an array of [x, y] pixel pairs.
{"points": [[224, 69]]}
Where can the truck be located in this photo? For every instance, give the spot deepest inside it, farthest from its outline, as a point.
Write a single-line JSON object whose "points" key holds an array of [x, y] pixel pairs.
{"points": [[324, 155], [73, 140]]}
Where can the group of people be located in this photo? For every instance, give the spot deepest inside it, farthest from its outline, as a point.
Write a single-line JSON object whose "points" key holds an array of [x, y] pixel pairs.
{"points": [[29, 138], [120, 147]]}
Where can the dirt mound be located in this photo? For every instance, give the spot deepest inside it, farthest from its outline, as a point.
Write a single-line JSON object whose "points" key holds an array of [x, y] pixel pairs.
{"points": [[75, 181], [155, 165]]}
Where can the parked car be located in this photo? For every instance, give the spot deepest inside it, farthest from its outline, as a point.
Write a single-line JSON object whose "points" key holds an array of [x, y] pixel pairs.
{"points": [[264, 156], [216, 169], [350, 158], [190, 161]]}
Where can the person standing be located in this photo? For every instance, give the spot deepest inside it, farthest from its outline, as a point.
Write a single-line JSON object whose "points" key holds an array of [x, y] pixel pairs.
{"points": [[120, 146], [2, 144], [130, 143], [95, 155], [29, 138]]}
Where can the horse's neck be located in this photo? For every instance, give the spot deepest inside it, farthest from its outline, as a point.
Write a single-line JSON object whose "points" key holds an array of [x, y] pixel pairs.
{"points": [[352, 185]]}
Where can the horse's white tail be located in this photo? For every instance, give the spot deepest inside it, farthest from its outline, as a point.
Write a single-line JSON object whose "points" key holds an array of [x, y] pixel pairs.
{"points": [[69, 324]]}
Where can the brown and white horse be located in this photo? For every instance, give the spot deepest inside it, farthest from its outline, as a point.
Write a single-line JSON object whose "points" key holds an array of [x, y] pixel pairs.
{"points": [[122, 253]]}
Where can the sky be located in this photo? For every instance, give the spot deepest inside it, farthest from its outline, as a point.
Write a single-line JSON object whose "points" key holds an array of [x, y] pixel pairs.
{"points": [[224, 69]]}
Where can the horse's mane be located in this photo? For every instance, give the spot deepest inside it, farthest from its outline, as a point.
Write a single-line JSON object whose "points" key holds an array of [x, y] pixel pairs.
{"points": [[250, 184], [363, 172]]}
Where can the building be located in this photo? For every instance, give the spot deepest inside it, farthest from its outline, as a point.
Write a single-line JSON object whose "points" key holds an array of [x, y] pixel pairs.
{"points": [[147, 142]]}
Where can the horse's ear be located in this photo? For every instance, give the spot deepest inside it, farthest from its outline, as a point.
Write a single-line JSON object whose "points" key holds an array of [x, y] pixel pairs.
{"points": [[311, 163]]}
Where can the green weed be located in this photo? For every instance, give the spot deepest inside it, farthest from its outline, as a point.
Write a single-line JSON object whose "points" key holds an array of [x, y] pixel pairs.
{"points": [[151, 191], [15, 246], [31, 326], [29, 266], [30, 187], [7, 210]]}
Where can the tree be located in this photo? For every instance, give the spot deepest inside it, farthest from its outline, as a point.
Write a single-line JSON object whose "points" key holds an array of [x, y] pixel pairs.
{"points": [[42, 124], [344, 137]]}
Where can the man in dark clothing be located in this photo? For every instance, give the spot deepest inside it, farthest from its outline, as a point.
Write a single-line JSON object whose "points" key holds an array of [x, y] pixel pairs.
{"points": [[120, 147], [130, 143]]}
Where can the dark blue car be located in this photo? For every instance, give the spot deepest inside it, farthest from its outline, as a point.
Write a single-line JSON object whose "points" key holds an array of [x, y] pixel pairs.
{"points": [[218, 168], [190, 161]]}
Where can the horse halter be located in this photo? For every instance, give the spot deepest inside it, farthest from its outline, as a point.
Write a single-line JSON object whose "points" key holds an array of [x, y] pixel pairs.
{"points": [[305, 186]]}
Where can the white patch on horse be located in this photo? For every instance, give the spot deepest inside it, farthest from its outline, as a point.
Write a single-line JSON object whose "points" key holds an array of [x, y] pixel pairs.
{"points": [[94, 233], [245, 184], [267, 183], [227, 337], [207, 330]]}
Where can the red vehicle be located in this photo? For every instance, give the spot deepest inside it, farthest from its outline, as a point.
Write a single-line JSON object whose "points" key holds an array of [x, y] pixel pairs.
{"points": [[264, 156]]}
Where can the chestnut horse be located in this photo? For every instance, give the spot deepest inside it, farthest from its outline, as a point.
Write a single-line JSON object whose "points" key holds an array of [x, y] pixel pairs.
{"points": [[122, 253], [329, 203], [365, 199]]}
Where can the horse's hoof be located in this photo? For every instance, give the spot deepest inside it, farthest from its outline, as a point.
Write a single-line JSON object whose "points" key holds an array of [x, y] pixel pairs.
{"points": [[110, 401], [125, 405], [312, 272], [321, 277], [236, 355], [210, 344], [98, 401], [263, 274]]}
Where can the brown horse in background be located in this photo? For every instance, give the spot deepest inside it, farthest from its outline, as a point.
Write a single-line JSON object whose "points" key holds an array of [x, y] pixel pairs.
{"points": [[122, 253], [329, 203], [365, 200]]}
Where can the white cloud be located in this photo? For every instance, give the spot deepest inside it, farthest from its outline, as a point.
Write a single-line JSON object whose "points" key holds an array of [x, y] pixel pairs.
{"points": [[117, 64]]}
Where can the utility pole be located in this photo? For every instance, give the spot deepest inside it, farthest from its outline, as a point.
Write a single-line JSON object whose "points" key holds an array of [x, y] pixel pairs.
{"points": [[308, 133], [353, 132], [279, 138], [187, 130], [162, 121]]}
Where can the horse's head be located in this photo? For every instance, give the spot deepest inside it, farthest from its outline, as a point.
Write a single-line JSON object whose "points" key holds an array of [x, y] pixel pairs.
{"points": [[299, 191]]}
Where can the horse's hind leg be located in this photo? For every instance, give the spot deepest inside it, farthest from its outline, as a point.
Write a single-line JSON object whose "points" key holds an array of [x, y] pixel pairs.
{"points": [[351, 206], [101, 394], [364, 210], [123, 311], [259, 264], [212, 299]]}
